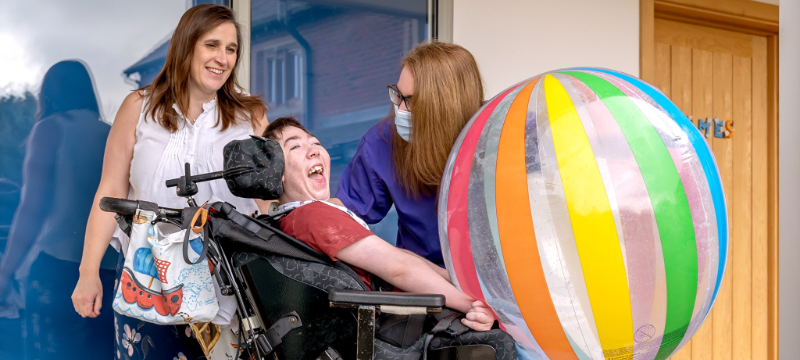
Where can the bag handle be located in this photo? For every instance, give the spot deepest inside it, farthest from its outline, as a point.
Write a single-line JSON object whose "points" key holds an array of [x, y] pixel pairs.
{"points": [[190, 227], [203, 214]]}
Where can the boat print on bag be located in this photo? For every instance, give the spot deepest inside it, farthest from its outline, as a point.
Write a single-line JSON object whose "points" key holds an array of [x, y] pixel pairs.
{"points": [[166, 302]]}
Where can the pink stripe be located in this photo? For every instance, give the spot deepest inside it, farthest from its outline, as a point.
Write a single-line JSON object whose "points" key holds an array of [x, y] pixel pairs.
{"points": [[457, 202]]}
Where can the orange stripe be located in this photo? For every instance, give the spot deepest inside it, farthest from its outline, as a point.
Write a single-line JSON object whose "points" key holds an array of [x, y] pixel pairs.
{"points": [[518, 239]]}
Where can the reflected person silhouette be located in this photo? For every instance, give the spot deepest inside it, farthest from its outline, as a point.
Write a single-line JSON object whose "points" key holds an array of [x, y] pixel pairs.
{"points": [[63, 162]]}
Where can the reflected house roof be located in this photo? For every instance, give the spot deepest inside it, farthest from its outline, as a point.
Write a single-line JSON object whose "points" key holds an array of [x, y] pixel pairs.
{"points": [[149, 66]]}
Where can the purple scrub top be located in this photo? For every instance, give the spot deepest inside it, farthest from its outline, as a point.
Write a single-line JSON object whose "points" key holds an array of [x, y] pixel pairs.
{"points": [[368, 187]]}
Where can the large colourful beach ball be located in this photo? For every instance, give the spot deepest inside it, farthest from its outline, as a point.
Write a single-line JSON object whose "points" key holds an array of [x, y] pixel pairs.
{"points": [[588, 212]]}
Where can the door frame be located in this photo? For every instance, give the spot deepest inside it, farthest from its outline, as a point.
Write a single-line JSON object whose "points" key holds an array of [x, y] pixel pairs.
{"points": [[749, 17]]}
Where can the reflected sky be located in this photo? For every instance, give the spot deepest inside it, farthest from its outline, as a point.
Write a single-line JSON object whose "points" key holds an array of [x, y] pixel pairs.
{"points": [[108, 36]]}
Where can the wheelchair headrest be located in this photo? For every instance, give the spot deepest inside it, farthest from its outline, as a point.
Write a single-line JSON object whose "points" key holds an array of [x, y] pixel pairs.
{"points": [[254, 168]]}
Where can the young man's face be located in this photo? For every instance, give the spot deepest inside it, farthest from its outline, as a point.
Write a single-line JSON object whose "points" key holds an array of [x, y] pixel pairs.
{"points": [[307, 173]]}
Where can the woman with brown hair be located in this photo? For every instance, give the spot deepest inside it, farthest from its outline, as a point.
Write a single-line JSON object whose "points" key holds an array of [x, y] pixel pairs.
{"points": [[401, 160], [190, 111]]}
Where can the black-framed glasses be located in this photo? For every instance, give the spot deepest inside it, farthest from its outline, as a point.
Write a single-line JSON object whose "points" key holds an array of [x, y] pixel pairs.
{"points": [[398, 98]]}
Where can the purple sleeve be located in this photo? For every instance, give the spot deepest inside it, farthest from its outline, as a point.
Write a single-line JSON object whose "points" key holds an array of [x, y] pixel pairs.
{"points": [[361, 188]]}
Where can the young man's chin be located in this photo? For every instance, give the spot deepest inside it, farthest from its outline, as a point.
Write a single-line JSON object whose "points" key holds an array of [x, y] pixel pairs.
{"points": [[321, 193]]}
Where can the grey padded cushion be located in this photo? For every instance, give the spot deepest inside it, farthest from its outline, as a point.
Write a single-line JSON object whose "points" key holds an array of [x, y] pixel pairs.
{"points": [[323, 277]]}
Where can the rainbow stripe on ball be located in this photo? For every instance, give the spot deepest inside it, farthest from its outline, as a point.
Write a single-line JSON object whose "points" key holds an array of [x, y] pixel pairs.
{"points": [[588, 212]]}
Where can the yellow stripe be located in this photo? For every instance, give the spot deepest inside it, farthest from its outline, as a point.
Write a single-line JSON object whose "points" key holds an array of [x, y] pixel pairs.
{"points": [[592, 221]]}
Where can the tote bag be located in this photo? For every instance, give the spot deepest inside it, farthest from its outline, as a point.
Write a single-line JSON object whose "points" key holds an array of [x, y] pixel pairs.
{"points": [[157, 284]]}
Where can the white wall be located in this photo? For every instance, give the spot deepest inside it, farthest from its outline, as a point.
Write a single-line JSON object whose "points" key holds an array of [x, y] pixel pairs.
{"points": [[516, 39], [789, 165]]}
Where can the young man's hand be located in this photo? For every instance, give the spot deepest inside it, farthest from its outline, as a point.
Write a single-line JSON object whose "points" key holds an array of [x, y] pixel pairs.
{"points": [[479, 317], [412, 273]]}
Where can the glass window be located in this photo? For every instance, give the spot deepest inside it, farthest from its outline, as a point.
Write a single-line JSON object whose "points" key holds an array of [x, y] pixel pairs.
{"points": [[328, 63], [65, 68]]}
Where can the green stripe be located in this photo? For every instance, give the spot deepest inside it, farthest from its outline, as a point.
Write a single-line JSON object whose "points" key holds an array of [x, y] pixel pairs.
{"points": [[670, 205]]}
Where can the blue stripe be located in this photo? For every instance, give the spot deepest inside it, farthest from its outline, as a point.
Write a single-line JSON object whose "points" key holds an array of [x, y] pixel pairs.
{"points": [[706, 159]]}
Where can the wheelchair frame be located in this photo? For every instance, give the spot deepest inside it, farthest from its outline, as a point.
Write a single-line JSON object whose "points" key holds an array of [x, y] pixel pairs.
{"points": [[261, 341]]}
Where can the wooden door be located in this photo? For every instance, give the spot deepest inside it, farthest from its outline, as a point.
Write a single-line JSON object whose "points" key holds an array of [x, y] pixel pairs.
{"points": [[712, 73]]}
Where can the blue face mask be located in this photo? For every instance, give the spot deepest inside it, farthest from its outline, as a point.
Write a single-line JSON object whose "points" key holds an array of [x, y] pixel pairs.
{"points": [[402, 121]]}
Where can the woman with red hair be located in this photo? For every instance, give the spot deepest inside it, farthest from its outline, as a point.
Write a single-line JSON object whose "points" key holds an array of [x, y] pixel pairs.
{"points": [[400, 161]]}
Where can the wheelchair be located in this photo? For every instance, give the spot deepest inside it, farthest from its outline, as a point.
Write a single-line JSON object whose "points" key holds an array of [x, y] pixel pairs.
{"points": [[294, 303]]}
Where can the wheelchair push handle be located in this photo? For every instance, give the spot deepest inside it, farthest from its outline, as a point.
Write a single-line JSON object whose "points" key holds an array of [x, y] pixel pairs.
{"points": [[128, 207]]}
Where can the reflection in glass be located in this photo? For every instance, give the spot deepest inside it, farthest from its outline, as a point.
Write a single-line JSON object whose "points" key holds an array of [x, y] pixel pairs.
{"points": [[328, 64], [52, 138], [61, 171]]}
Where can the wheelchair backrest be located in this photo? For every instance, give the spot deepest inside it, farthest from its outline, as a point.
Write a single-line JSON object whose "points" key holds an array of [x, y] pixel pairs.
{"points": [[279, 285]]}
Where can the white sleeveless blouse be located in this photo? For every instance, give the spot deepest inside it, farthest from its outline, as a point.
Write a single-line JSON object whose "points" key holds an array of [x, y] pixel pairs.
{"points": [[159, 155]]}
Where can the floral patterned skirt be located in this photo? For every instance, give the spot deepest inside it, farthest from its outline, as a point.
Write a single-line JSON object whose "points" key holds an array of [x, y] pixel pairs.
{"points": [[140, 340]]}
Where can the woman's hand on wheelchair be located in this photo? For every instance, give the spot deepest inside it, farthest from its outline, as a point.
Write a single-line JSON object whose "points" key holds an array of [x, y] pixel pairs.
{"points": [[479, 317]]}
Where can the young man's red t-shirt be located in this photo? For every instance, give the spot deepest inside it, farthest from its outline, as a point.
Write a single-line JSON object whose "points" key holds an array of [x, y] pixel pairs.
{"points": [[326, 229]]}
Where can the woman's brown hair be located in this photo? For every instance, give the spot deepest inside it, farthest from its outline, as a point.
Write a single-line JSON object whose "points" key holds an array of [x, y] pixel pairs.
{"points": [[171, 86], [447, 92]]}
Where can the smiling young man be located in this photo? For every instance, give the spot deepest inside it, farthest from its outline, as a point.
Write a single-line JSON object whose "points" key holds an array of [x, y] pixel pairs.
{"points": [[338, 233]]}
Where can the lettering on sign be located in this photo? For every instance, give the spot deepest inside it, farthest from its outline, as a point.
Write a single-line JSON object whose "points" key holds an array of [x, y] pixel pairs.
{"points": [[718, 128]]}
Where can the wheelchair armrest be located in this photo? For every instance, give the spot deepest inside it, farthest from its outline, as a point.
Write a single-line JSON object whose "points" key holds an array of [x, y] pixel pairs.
{"points": [[385, 299], [369, 303]]}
